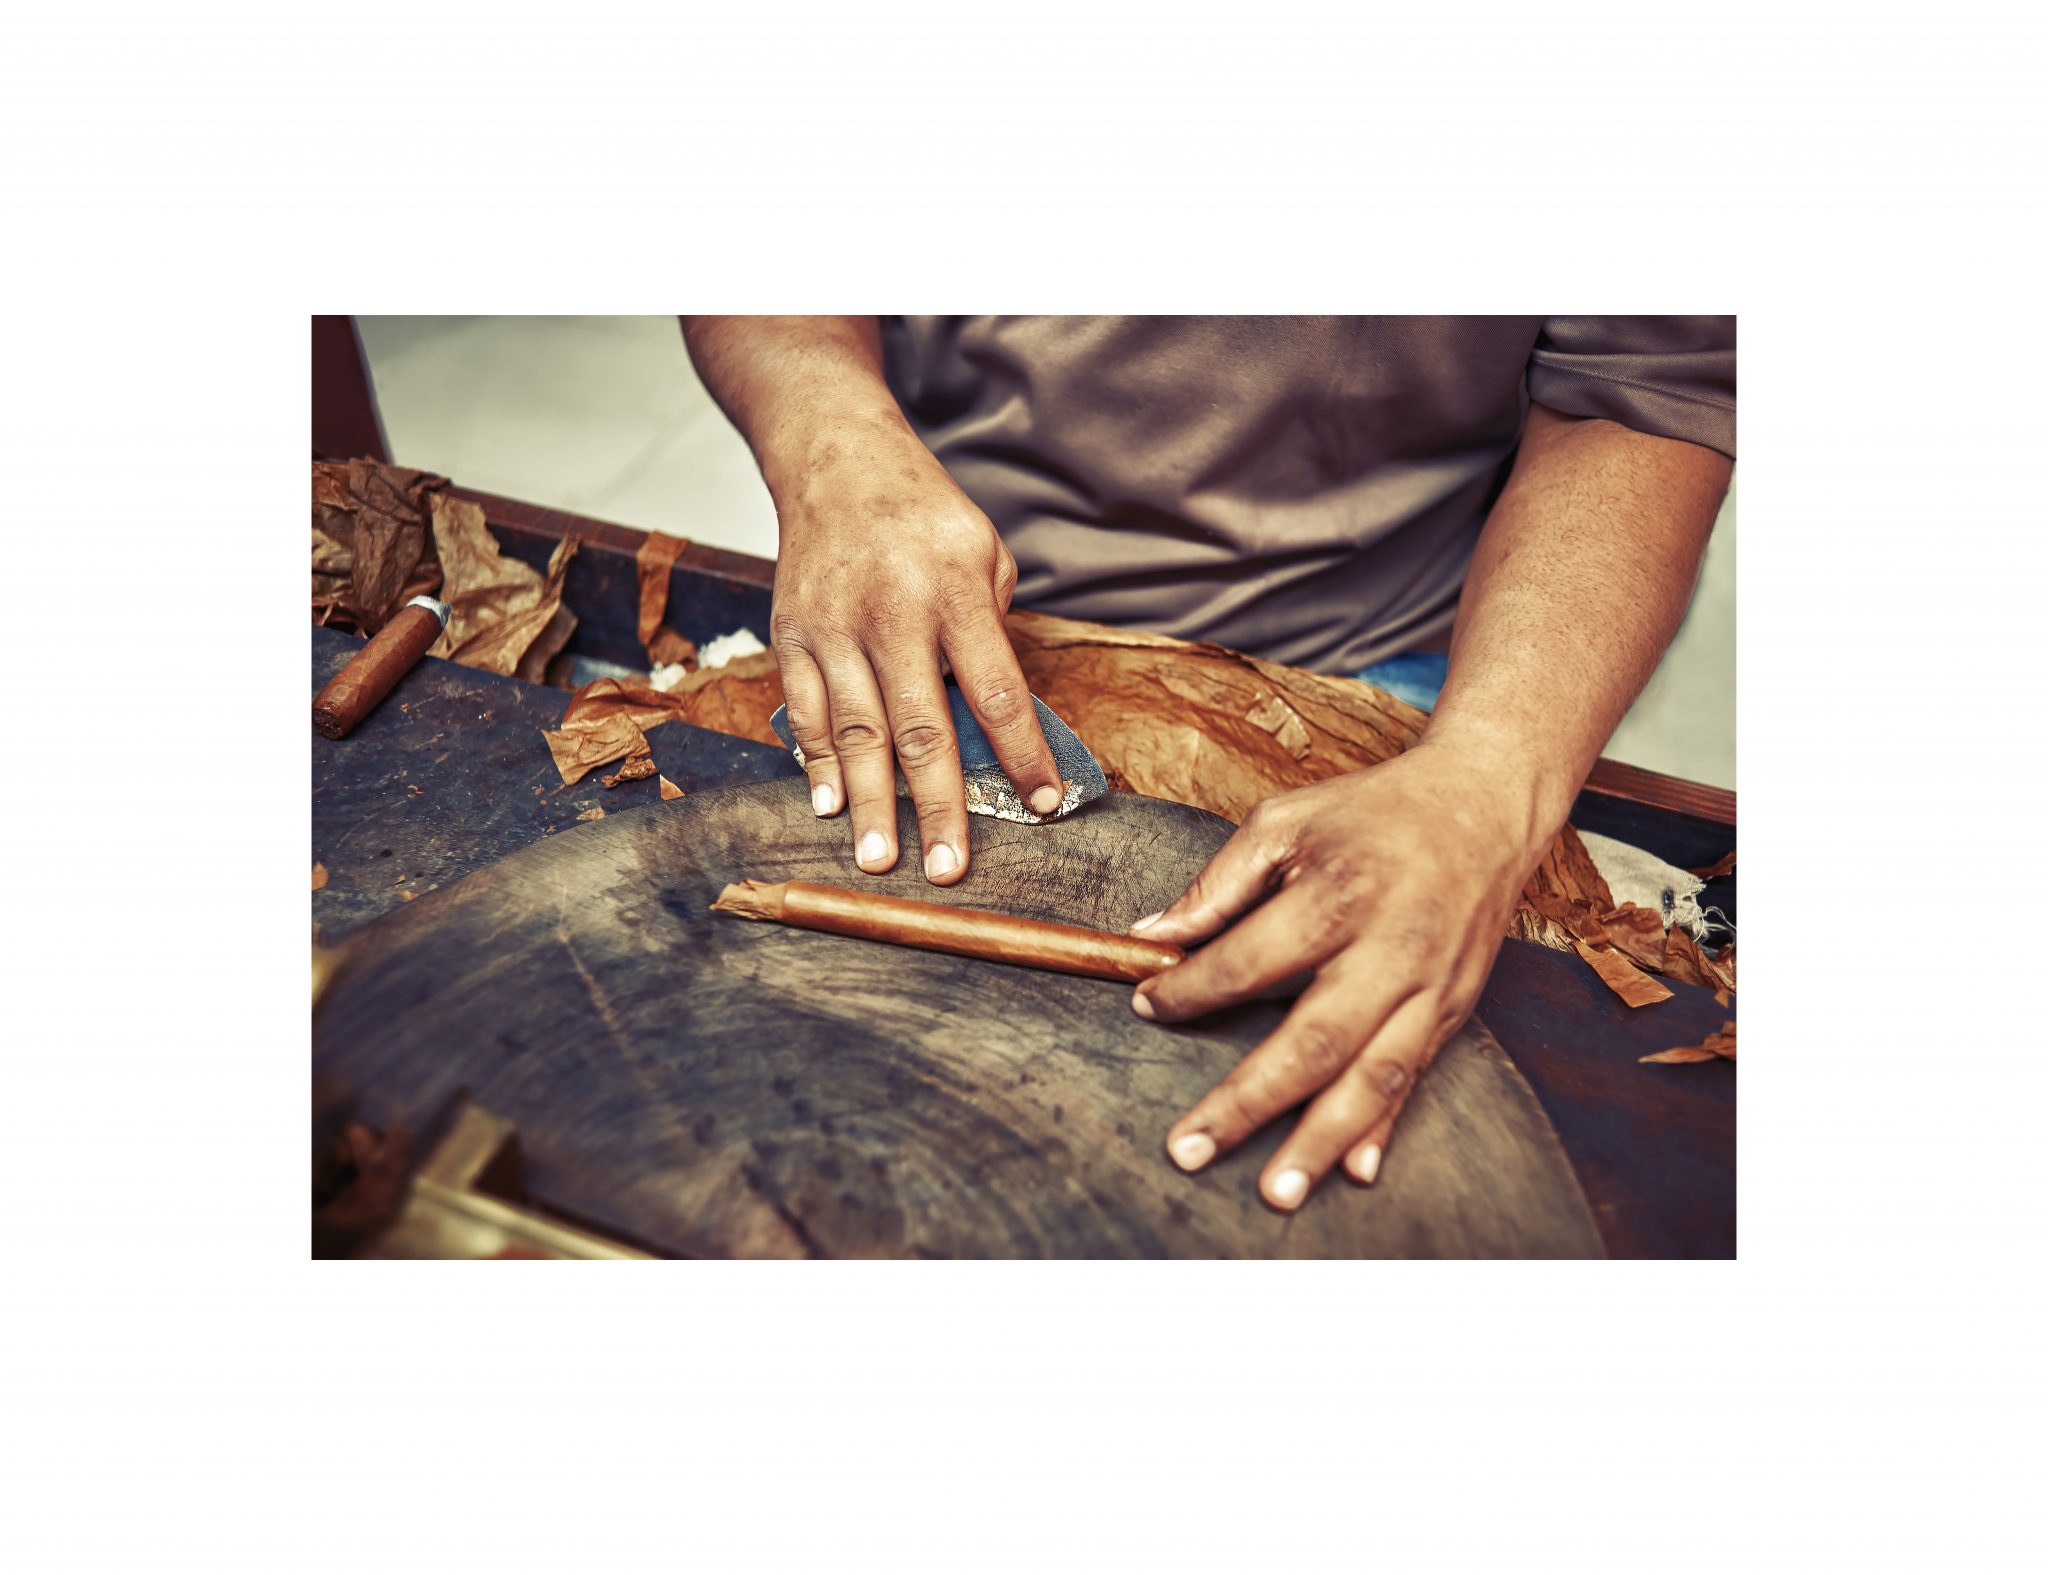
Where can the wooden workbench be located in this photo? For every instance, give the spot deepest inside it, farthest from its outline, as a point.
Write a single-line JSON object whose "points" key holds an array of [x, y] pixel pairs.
{"points": [[451, 774]]}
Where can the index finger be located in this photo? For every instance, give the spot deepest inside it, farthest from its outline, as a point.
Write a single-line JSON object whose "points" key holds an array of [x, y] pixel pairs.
{"points": [[993, 685]]}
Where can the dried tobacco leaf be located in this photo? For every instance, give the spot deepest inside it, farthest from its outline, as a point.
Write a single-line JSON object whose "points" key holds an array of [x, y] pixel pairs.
{"points": [[319, 875], [1623, 977], [1201, 724], [595, 812], [370, 542], [1638, 933], [653, 564], [502, 616], [637, 768], [670, 790], [1715, 1046], [1685, 960], [578, 751], [1719, 867]]}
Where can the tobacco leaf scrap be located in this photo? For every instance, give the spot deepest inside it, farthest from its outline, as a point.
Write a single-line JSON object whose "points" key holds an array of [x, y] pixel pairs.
{"points": [[595, 812], [1716, 1046], [578, 751], [637, 768], [653, 564], [319, 875], [1719, 867], [1623, 977], [370, 540], [503, 616], [670, 790]]}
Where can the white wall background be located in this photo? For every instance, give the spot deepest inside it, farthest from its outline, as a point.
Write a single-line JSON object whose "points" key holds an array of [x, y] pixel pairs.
{"points": [[604, 416]]}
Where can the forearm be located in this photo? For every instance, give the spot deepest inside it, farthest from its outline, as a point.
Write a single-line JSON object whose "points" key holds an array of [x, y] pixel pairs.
{"points": [[1581, 577], [792, 385]]}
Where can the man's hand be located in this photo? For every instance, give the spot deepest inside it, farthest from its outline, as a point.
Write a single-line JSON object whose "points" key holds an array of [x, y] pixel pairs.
{"points": [[885, 567], [1394, 886], [886, 571]]}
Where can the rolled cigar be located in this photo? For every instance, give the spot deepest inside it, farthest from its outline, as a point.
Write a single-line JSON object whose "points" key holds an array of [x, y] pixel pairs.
{"points": [[998, 937], [374, 671]]}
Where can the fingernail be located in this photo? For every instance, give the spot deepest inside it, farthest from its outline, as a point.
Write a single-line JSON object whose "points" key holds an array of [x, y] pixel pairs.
{"points": [[1045, 800], [941, 861], [1288, 1188], [1193, 1151], [1148, 921], [874, 848], [1141, 1004], [1368, 1163], [821, 798]]}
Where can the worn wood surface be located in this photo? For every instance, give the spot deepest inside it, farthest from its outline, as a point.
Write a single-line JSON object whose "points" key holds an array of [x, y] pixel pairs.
{"points": [[450, 773], [710, 1086]]}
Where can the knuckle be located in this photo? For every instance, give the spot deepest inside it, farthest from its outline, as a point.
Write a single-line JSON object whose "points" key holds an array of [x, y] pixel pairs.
{"points": [[856, 736], [816, 739], [1390, 1079], [1321, 1049], [1001, 705], [922, 744]]}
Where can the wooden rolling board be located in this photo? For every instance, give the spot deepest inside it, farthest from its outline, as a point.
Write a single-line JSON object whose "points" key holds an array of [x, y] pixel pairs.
{"points": [[709, 1086]]}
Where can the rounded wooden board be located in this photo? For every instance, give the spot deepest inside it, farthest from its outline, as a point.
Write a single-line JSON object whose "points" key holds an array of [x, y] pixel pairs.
{"points": [[709, 1086]]}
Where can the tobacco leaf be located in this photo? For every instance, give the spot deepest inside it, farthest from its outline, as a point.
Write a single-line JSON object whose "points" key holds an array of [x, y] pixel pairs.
{"points": [[736, 698], [580, 750], [370, 540], [1637, 933], [653, 564], [595, 812], [1720, 866], [637, 768], [1720, 1045], [1202, 724], [668, 649], [670, 790], [503, 616], [1623, 977], [1684, 959], [319, 875]]}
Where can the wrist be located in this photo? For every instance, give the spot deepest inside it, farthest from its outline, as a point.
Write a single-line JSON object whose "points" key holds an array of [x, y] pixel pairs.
{"points": [[1526, 791], [829, 440]]}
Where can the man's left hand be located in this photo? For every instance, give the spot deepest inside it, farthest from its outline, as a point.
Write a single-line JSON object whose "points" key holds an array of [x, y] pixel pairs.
{"points": [[1394, 887]]}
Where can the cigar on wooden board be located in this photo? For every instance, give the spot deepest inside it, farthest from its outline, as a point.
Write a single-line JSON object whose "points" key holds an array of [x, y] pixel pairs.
{"points": [[997, 937], [374, 671]]}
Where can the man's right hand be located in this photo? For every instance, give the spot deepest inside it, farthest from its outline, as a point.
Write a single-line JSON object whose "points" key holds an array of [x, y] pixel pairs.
{"points": [[886, 572], [886, 568]]}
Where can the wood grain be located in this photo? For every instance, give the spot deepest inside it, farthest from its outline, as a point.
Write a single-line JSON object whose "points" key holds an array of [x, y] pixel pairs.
{"points": [[709, 1087]]}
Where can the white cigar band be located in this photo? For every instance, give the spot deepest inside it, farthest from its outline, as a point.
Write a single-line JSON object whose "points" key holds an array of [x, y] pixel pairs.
{"points": [[438, 609]]}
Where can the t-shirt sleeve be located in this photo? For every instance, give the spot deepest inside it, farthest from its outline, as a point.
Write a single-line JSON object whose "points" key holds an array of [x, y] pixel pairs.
{"points": [[1669, 376]]}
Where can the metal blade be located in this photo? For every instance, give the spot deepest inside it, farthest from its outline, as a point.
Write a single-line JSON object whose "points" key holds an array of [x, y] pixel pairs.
{"points": [[989, 791]]}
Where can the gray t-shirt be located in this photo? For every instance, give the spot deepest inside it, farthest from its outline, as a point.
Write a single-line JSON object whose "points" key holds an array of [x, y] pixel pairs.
{"points": [[1308, 489]]}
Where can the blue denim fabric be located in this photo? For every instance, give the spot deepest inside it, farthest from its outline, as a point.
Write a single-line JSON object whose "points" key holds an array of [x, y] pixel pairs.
{"points": [[1416, 676]]}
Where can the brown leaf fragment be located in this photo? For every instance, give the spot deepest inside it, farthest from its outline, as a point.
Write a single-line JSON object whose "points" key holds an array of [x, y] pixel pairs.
{"points": [[1681, 1056], [369, 540], [636, 769], [319, 875], [1199, 724], [670, 790], [407, 896], [1716, 1046], [653, 563], [1686, 961], [595, 812], [1637, 933], [503, 616], [580, 750], [667, 647], [1623, 977], [1719, 867]]}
